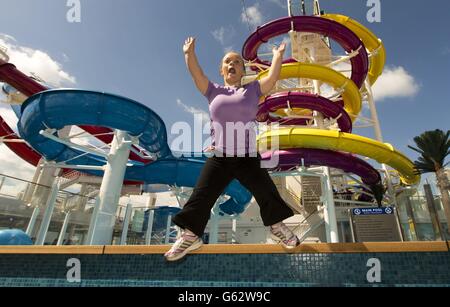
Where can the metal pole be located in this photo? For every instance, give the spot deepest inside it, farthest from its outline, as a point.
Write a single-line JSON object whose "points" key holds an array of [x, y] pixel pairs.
{"points": [[32, 221], [32, 186], [126, 223], [342, 231], [148, 234], [40, 240], [289, 5], [169, 223], [399, 225], [433, 214], [82, 199], [233, 231], [329, 212], [72, 145], [317, 8], [1, 182], [373, 112], [411, 218], [41, 191], [62, 234], [111, 188], [379, 137], [91, 230], [214, 225]]}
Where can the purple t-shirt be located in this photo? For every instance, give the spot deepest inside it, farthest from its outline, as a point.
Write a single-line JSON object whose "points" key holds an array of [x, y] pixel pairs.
{"points": [[233, 117]]}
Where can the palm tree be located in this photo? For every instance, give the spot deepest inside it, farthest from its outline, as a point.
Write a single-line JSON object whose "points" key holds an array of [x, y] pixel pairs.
{"points": [[434, 147]]}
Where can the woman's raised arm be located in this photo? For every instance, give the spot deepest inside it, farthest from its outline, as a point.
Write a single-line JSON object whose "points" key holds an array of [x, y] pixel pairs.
{"points": [[269, 82], [201, 81]]}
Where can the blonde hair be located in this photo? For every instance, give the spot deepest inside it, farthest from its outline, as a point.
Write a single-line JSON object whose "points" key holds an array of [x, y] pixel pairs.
{"points": [[233, 52]]}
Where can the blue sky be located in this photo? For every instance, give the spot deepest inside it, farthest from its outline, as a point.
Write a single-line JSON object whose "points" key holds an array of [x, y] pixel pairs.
{"points": [[133, 48]]}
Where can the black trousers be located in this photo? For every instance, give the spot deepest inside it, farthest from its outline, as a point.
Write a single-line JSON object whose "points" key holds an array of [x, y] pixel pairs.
{"points": [[217, 173]]}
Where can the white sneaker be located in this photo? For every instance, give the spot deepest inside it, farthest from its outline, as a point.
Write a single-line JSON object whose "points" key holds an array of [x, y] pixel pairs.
{"points": [[186, 243], [281, 233]]}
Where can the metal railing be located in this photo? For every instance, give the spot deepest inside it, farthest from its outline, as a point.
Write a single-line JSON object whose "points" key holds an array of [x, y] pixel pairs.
{"points": [[25, 205]]}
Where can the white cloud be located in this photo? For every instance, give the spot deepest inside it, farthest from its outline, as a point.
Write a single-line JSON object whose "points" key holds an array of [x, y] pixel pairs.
{"points": [[8, 115], [395, 82], [85, 139], [224, 34], [7, 37], [200, 115], [267, 48], [202, 121], [342, 66], [13, 165], [30, 60], [252, 15], [228, 49]]}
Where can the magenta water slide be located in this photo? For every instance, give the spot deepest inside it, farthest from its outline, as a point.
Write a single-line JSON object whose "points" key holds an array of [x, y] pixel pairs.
{"points": [[292, 158], [318, 103], [348, 40]]}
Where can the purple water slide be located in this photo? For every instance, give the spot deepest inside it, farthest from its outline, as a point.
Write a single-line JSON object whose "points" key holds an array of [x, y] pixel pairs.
{"points": [[303, 100], [291, 158], [312, 24]]}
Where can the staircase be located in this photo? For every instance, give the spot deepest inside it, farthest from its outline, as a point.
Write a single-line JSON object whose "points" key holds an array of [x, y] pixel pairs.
{"points": [[311, 193], [303, 195], [309, 225]]}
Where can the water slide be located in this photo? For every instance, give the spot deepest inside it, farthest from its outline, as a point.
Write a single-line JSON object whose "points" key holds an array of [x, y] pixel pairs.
{"points": [[326, 147], [341, 141], [57, 108], [54, 109], [168, 170], [28, 87]]}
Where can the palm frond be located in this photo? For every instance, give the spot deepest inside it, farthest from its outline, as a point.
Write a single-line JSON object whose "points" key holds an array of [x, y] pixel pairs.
{"points": [[434, 148]]}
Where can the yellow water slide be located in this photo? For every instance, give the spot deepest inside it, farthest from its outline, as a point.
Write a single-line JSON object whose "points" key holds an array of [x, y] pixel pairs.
{"points": [[298, 137]]}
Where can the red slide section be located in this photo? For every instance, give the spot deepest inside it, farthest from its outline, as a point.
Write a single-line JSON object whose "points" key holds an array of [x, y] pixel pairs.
{"points": [[21, 149], [27, 86]]}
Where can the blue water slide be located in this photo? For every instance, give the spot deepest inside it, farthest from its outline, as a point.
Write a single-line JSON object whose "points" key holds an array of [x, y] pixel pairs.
{"points": [[55, 109]]}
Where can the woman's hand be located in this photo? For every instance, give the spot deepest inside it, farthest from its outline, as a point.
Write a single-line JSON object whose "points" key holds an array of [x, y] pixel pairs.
{"points": [[279, 50], [268, 83], [189, 45]]}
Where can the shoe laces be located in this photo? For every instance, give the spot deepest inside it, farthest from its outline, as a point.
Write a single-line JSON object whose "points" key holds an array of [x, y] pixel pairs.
{"points": [[184, 237], [284, 231]]}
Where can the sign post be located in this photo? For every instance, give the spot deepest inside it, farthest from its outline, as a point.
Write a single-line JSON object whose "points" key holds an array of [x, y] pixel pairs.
{"points": [[375, 225]]}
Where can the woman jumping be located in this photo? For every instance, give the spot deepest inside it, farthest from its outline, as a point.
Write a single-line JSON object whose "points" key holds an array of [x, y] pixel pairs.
{"points": [[231, 105]]}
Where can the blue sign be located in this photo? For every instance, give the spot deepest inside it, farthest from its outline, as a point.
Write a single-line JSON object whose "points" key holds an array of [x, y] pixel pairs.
{"points": [[372, 211]]}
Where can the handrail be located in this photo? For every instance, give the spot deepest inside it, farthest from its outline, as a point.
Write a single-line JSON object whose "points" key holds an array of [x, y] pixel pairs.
{"points": [[42, 185]]}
